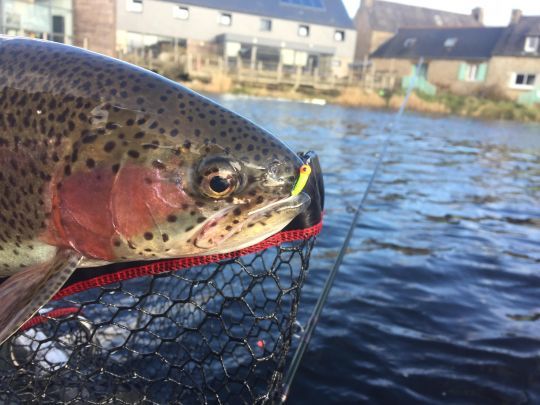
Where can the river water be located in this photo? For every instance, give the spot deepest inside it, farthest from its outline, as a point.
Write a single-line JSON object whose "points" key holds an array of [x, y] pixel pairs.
{"points": [[438, 297]]}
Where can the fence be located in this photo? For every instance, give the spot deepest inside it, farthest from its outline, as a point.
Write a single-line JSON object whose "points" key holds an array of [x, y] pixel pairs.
{"points": [[204, 67]]}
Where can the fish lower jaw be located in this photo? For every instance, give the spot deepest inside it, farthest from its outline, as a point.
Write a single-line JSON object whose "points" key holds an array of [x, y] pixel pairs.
{"points": [[284, 211]]}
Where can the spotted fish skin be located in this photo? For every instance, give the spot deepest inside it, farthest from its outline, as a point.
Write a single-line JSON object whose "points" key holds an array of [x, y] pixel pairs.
{"points": [[116, 163]]}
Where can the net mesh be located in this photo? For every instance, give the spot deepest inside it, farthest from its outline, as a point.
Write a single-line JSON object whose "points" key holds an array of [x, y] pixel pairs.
{"points": [[213, 333]]}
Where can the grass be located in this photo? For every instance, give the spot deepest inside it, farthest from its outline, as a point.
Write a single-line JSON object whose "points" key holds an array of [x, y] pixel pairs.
{"points": [[484, 107]]}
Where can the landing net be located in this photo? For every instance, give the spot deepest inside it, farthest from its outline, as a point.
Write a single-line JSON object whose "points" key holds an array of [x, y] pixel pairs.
{"points": [[215, 329]]}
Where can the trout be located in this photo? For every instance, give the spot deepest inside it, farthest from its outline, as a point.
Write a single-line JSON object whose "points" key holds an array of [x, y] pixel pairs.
{"points": [[102, 162]]}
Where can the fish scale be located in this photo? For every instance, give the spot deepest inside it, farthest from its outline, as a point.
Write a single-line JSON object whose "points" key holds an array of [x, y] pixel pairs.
{"points": [[110, 162]]}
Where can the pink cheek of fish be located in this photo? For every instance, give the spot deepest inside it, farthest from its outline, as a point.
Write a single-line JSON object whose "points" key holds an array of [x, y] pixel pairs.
{"points": [[141, 200], [93, 210]]}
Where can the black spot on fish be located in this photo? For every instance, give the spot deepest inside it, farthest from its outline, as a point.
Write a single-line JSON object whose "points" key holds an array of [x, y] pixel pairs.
{"points": [[148, 236], [109, 146]]}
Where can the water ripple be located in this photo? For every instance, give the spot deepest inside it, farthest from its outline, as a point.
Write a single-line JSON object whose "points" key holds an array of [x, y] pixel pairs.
{"points": [[437, 299]]}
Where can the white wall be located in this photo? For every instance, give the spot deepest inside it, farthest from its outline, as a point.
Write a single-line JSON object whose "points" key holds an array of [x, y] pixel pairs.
{"points": [[157, 18]]}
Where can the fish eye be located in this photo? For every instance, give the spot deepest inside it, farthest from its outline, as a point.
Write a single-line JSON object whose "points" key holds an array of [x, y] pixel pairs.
{"points": [[219, 184], [218, 179]]}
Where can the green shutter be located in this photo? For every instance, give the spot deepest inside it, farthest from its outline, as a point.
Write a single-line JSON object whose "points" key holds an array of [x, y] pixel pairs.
{"points": [[481, 73], [462, 71], [413, 71]]}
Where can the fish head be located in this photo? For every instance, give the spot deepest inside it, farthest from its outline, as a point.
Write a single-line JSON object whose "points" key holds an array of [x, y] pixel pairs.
{"points": [[244, 197], [214, 192]]}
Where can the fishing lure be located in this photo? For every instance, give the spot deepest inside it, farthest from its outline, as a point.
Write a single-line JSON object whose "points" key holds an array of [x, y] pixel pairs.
{"points": [[303, 177]]}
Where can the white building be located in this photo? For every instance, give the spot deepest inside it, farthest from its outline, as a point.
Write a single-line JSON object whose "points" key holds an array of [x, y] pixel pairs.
{"points": [[312, 34]]}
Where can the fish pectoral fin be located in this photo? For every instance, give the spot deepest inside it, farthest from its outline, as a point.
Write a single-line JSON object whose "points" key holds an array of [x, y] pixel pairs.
{"points": [[24, 293]]}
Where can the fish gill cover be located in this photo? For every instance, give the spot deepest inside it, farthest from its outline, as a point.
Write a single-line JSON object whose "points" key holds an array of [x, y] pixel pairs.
{"points": [[104, 163]]}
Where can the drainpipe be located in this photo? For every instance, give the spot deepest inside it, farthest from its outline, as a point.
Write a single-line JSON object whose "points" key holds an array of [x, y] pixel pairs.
{"points": [[1, 17]]}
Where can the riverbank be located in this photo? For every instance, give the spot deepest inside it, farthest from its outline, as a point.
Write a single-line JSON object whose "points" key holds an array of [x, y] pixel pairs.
{"points": [[443, 103]]}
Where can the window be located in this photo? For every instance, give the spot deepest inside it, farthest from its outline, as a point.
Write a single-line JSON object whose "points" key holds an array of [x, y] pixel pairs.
{"points": [[450, 42], [58, 28], [266, 24], [523, 80], [135, 6], [305, 3], [409, 42], [225, 19], [438, 20], [339, 36], [473, 72], [532, 44], [303, 30], [421, 71], [182, 13]]}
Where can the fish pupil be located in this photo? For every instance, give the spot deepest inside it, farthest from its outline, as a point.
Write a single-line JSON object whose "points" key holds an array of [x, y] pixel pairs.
{"points": [[219, 184]]}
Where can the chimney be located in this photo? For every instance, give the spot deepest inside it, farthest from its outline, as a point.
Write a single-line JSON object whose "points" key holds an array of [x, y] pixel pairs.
{"points": [[516, 16], [478, 14], [367, 4]]}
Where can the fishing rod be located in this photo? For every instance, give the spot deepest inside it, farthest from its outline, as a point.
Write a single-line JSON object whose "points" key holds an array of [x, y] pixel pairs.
{"points": [[317, 310]]}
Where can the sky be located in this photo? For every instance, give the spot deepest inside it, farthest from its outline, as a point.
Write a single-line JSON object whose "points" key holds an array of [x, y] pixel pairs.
{"points": [[496, 12]]}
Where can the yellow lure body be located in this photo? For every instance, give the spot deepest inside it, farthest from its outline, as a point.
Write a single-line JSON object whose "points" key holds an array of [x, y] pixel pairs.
{"points": [[305, 171]]}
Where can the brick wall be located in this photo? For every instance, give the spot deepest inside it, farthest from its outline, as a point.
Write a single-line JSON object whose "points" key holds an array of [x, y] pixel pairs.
{"points": [[94, 25]]}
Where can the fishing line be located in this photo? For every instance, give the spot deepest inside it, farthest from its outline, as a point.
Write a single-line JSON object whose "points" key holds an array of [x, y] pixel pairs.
{"points": [[317, 310]]}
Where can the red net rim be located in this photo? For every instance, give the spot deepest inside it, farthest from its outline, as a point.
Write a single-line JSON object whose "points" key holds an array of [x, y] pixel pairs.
{"points": [[187, 262], [55, 314]]}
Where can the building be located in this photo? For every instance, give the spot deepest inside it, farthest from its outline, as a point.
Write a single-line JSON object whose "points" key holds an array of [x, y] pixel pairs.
{"points": [[377, 21], [515, 62], [95, 25], [44, 19], [316, 35], [451, 60], [497, 61]]}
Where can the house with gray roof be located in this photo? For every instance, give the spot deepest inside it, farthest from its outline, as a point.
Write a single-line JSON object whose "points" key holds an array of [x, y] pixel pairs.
{"points": [[377, 21], [310, 34], [515, 62], [496, 61]]}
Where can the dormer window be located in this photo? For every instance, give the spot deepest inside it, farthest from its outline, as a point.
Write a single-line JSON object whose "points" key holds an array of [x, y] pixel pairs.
{"points": [[409, 42], [532, 44], [438, 20], [450, 42]]}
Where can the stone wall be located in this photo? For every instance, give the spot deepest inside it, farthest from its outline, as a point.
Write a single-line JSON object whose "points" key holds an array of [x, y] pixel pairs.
{"points": [[445, 75], [501, 69]]}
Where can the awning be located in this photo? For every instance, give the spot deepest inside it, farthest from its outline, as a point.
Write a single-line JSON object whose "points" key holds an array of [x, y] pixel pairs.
{"points": [[274, 43]]}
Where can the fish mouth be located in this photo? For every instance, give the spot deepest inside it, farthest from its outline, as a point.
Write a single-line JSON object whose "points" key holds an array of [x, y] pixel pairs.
{"points": [[256, 226]]}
